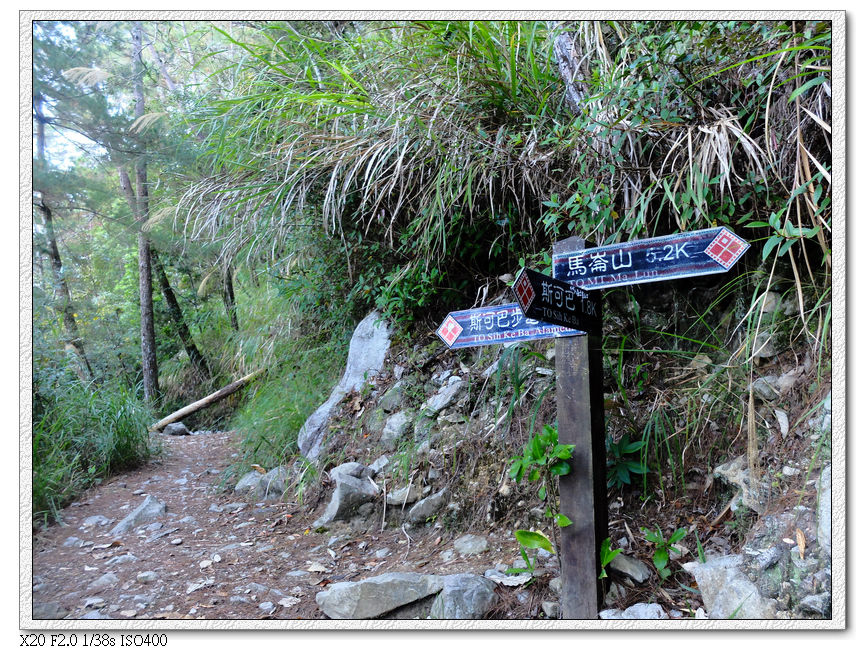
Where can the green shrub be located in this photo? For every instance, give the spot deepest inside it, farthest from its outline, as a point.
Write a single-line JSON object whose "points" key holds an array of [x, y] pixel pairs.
{"points": [[83, 434]]}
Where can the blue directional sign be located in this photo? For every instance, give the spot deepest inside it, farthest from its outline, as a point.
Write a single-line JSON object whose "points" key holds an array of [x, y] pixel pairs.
{"points": [[688, 254], [554, 301], [491, 325]]}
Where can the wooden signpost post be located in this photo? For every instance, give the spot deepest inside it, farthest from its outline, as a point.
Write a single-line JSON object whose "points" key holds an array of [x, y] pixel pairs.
{"points": [[563, 307]]}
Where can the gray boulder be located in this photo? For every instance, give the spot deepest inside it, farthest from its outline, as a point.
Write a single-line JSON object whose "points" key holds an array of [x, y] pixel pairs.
{"points": [[824, 510], [727, 592], [464, 596], [471, 545], [376, 596], [763, 346], [393, 399], [753, 494], [96, 520], [250, 485], [273, 484], [819, 604], [767, 388], [630, 567], [149, 510], [379, 464], [640, 611], [426, 508], [49, 611], [395, 428], [443, 398], [405, 495], [353, 469], [105, 580], [366, 352], [353, 489], [176, 429]]}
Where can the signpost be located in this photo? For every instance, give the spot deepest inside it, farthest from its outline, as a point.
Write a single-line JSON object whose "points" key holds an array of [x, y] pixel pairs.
{"points": [[557, 302], [490, 325], [562, 307], [683, 255], [583, 491]]}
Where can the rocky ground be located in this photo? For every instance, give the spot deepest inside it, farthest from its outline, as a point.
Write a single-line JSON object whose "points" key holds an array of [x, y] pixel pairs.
{"points": [[213, 556], [415, 513]]}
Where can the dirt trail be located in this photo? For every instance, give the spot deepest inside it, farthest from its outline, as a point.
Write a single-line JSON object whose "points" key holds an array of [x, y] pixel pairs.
{"points": [[208, 559]]}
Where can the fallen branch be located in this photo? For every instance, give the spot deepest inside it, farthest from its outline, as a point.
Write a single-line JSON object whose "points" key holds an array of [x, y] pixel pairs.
{"points": [[222, 393]]}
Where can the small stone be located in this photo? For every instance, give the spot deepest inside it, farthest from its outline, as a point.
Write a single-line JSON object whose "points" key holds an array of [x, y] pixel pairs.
{"points": [[514, 580], [95, 520], [147, 576], [766, 388], [556, 586], [177, 541], [266, 606], [783, 422], [176, 429], [379, 464], [104, 581], [94, 602], [630, 567], [72, 541], [49, 611], [616, 592], [471, 545], [817, 603], [551, 609]]}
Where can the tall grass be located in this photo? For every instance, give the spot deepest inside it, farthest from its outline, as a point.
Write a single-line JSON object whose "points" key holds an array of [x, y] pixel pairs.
{"points": [[83, 434], [297, 323], [272, 416], [436, 138]]}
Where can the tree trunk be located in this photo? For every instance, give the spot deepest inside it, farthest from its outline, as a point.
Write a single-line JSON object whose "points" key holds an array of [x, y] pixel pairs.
{"points": [[228, 297], [206, 401], [141, 211], [192, 350], [571, 69], [62, 295]]}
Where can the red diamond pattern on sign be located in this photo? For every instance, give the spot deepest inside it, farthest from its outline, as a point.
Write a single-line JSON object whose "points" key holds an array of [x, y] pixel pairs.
{"points": [[450, 330], [726, 248], [524, 291]]}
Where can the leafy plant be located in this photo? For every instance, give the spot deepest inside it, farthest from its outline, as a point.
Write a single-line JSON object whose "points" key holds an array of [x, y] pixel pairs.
{"points": [[83, 434], [620, 465], [662, 547], [606, 557], [530, 539], [543, 458]]}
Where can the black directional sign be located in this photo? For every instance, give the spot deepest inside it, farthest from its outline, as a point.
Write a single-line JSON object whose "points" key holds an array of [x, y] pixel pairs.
{"points": [[687, 254], [553, 301], [491, 325]]}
